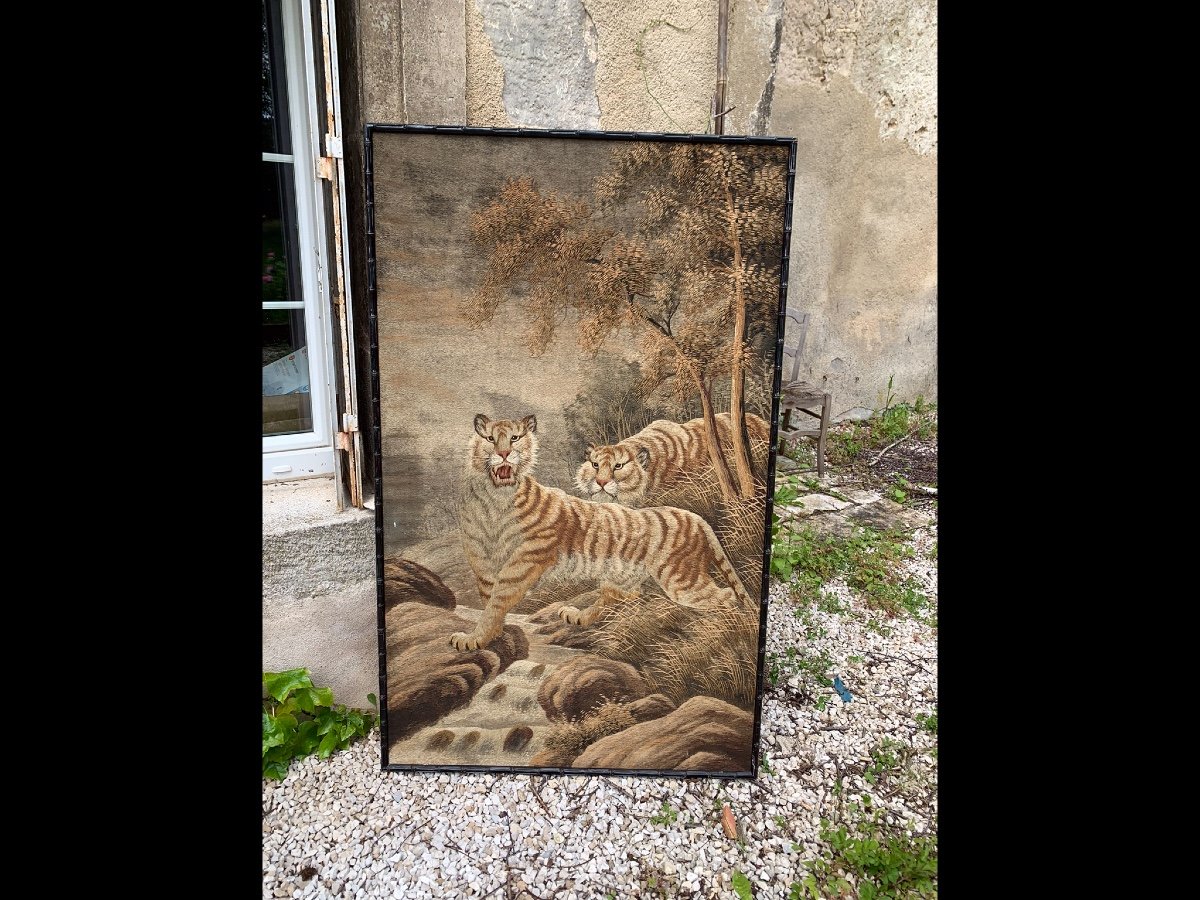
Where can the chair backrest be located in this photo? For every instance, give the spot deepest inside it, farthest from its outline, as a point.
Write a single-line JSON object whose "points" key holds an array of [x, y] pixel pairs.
{"points": [[799, 331]]}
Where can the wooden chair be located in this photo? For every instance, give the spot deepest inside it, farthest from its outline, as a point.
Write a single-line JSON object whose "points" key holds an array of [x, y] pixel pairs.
{"points": [[801, 396]]}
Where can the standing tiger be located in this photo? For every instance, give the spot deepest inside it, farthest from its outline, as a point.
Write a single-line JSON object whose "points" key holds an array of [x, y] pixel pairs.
{"points": [[516, 531], [665, 464]]}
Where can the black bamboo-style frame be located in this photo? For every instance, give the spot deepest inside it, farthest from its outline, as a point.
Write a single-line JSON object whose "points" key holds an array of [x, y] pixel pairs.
{"points": [[369, 131]]}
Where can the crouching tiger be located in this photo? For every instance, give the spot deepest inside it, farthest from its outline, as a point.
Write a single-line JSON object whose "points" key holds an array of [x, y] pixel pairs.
{"points": [[667, 464], [516, 531]]}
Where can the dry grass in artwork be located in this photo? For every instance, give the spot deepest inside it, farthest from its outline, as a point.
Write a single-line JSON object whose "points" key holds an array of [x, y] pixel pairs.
{"points": [[575, 737], [740, 530], [685, 652]]}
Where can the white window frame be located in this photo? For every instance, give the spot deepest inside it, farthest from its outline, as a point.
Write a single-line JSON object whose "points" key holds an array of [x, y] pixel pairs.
{"points": [[289, 456]]}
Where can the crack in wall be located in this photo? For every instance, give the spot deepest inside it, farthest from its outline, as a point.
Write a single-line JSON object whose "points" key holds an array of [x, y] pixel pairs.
{"points": [[593, 52], [761, 117]]}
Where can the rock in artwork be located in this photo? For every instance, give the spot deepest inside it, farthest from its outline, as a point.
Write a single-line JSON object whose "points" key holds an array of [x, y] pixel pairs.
{"points": [[576, 361]]}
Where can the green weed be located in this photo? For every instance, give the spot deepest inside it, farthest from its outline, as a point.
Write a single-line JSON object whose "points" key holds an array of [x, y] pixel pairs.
{"points": [[884, 760], [814, 667], [813, 631], [884, 866], [829, 603], [898, 492], [871, 562], [665, 816], [886, 425]]}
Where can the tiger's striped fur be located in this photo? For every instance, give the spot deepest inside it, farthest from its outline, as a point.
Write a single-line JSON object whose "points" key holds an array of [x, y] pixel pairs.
{"points": [[662, 464], [516, 531]]}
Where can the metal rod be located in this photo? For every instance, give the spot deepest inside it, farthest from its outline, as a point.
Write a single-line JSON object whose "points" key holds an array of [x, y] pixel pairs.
{"points": [[718, 108]]}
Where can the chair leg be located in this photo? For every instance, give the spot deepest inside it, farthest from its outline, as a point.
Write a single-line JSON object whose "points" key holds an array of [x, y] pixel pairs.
{"points": [[784, 426], [821, 438]]}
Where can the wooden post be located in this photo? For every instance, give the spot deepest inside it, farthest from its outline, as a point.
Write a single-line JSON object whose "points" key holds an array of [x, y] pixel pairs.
{"points": [[821, 438]]}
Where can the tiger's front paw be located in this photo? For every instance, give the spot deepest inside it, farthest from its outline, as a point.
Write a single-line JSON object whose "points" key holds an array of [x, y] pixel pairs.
{"points": [[462, 641], [572, 616]]}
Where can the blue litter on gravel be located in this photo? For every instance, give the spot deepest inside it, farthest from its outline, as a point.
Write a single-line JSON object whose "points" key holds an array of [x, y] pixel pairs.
{"points": [[841, 689]]}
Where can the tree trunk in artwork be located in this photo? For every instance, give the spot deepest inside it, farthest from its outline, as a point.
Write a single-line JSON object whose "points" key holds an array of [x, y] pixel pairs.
{"points": [[737, 386], [728, 490]]}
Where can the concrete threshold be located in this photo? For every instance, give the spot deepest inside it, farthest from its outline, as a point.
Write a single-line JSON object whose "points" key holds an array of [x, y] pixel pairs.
{"points": [[309, 548]]}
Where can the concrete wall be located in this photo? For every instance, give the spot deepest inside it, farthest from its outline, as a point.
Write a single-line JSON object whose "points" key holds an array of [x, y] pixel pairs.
{"points": [[855, 81]]}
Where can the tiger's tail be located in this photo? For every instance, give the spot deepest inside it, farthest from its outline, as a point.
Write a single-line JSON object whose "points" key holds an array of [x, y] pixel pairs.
{"points": [[728, 572]]}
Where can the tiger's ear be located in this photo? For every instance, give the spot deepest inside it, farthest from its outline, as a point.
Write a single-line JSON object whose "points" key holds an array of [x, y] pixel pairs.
{"points": [[481, 424], [591, 448], [643, 456], [530, 423]]}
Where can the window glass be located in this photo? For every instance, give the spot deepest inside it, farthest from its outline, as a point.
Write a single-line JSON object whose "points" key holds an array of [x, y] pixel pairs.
{"points": [[287, 397], [276, 127], [280, 238], [286, 391]]}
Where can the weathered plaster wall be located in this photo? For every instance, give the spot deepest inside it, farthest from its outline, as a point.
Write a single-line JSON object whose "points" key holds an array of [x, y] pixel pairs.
{"points": [[485, 84], [855, 82], [594, 64], [318, 600], [546, 50]]}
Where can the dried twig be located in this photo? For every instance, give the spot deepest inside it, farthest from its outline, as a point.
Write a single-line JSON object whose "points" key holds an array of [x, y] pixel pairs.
{"points": [[615, 786], [903, 659], [537, 793], [891, 445], [411, 832]]}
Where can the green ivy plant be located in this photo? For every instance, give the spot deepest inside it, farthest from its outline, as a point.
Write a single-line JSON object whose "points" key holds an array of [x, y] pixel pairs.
{"points": [[299, 719]]}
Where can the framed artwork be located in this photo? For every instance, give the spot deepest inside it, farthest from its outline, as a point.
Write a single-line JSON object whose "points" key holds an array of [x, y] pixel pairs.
{"points": [[576, 345]]}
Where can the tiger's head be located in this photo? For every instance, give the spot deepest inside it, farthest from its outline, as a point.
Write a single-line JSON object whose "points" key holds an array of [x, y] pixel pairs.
{"points": [[614, 472], [504, 450]]}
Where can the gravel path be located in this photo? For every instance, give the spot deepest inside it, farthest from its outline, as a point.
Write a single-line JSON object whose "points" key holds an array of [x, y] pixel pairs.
{"points": [[341, 828]]}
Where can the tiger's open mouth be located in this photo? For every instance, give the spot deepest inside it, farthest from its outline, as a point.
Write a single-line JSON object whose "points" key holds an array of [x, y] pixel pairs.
{"points": [[502, 474]]}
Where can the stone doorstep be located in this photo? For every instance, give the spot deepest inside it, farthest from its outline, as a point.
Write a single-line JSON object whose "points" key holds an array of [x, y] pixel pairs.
{"points": [[829, 515], [309, 548], [305, 503]]}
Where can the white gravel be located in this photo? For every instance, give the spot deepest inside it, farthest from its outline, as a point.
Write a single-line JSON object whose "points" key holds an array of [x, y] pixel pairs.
{"points": [[374, 834]]}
